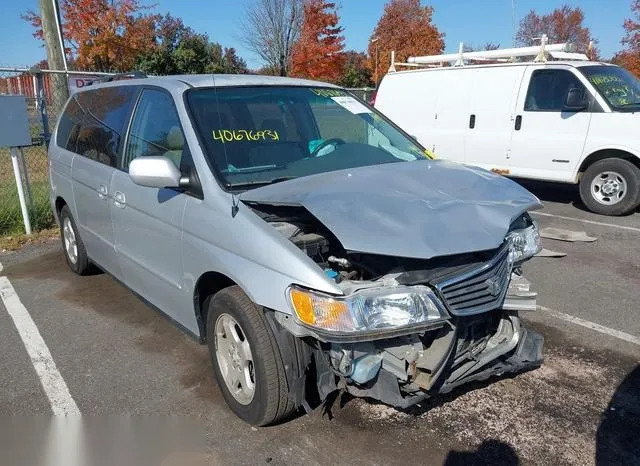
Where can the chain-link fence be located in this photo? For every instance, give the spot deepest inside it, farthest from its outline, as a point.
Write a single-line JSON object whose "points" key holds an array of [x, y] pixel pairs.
{"points": [[363, 93], [45, 92]]}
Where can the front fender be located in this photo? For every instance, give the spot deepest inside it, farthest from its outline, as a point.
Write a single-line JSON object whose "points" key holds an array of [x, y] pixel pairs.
{"points": [[634, 151]]}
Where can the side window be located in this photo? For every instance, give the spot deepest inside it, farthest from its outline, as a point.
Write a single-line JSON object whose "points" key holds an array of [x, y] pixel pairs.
{"points": [[548, 90], [155, 130], [105, 113], [69, 126]]}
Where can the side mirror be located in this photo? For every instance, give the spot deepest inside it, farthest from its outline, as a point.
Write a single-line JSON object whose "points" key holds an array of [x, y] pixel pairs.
{"points": [[576, 100], [155, 172]]}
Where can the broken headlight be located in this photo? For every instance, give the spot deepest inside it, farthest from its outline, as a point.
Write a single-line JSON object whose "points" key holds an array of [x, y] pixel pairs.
{"points": [[367, 310], [524, 243]]}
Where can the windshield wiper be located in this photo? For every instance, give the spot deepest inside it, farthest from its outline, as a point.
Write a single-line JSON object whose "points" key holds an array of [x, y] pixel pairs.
{"points": [[628, 104], [254, 184]]}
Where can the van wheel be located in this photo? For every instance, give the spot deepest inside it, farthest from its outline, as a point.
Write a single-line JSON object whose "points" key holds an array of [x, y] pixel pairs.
{"points": [[611, 187], [72, 245], [246, 359]]}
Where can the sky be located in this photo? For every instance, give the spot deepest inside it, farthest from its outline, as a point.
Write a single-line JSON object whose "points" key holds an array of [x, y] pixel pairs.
{"points": [[470, 21]]}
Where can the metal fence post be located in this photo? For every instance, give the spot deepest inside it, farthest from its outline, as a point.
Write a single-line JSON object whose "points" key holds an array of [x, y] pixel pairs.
{"points": [[25, 177], [42, 106], [23, 203]]}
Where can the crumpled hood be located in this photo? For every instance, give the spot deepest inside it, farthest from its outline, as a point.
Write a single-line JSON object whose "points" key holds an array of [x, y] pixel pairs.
{"points": [[420, 209]]}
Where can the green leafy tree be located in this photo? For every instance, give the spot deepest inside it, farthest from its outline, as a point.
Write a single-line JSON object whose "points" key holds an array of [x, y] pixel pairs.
{"points": [[180, 50], [355, 72]]}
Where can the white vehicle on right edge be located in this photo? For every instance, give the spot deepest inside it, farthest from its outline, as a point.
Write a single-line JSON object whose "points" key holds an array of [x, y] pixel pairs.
{"points": [[568, 121]]}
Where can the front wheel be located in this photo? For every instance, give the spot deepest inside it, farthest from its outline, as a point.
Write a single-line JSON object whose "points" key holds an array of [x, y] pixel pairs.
{"points": [[246, 359], [611, 187]]}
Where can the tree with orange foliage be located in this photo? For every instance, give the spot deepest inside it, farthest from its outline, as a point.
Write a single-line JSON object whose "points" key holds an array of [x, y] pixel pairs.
{"points": [[103, 35], [406, 28], [318, 53], [630, 57], [564, 24]]}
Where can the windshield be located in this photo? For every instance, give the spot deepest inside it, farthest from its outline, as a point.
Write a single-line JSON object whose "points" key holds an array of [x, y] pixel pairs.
{"points": [[618, 86], [260, 135]]}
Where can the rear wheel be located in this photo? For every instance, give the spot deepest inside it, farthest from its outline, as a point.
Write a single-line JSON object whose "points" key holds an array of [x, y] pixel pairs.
{"points": [[611, 187], [246, 359], [72, 245]]}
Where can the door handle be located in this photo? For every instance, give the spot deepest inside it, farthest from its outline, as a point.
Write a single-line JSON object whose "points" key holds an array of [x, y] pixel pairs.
{"points": [[472, 121], [119, 199], [518, 122], [103, 192]]}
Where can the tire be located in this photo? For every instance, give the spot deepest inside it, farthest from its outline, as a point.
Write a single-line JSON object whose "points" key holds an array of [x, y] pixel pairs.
{"points": [[78, 262], [270, 401], [611, 187]]}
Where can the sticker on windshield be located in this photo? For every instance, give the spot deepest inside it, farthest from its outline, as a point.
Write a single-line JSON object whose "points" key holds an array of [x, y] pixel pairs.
{"points": [[351, 104], [227, 135]]}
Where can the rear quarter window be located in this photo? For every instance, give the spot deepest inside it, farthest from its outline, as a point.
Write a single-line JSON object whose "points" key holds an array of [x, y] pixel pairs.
{"points": [[69, 125], [94, 122]]}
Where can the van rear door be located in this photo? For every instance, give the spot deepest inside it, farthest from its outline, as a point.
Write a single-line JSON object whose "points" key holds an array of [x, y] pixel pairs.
{"points": [[105, 113], [409, 99], [548, 138], [491, 115], [452, 112]]}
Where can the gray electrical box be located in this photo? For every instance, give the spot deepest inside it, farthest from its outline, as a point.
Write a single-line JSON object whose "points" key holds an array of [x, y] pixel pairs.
{"points": [[14, 121]]}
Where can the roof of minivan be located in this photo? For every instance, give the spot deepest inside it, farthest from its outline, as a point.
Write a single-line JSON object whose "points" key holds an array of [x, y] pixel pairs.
{"points": [[218, 80], [577, 64]]}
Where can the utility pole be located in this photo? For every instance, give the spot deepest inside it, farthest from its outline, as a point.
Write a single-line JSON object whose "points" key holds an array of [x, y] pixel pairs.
{"points": [[514, 18], [55, 53], [375, 71]]}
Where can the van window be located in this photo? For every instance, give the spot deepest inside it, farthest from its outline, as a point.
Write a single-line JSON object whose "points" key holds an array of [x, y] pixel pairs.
{"points": [[548, 90], [104, 116], [93, 122], [259, 135], [155, 130], [619, 87], [263, 113], [69, 126], [347, 127]]}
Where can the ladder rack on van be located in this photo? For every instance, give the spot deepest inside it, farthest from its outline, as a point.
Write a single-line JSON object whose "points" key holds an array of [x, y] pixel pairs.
{"points": [[563, 51]]}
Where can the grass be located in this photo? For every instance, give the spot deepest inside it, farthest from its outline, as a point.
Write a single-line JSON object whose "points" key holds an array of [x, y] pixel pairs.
{"points": [[40, 215], [13, 242]]}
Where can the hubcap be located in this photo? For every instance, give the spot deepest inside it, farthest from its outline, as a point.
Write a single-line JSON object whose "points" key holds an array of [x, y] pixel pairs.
{"points": [[235, 360], [70, 246], [609, 188]]}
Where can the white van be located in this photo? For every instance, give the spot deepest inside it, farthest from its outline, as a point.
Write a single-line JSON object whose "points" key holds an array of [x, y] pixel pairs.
{"points": [[563, 121]]}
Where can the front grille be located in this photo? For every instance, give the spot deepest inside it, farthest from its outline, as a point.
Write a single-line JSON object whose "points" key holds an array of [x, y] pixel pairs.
{"points": [[479, 290]]}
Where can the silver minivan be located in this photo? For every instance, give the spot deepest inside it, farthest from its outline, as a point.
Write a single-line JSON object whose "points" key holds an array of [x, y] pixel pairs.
{"points": [[299, 233]]}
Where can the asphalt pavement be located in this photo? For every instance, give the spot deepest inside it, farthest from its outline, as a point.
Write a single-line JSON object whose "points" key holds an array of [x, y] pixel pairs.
{"points": [[125, 366]]}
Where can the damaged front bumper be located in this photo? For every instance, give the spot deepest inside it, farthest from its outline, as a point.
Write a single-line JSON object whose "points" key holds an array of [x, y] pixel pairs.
{"points": [[404, 370]]}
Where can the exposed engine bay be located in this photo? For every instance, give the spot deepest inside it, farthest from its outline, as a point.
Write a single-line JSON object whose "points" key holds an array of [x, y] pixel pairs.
{"points": [[317, 242], [481, 336]]}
